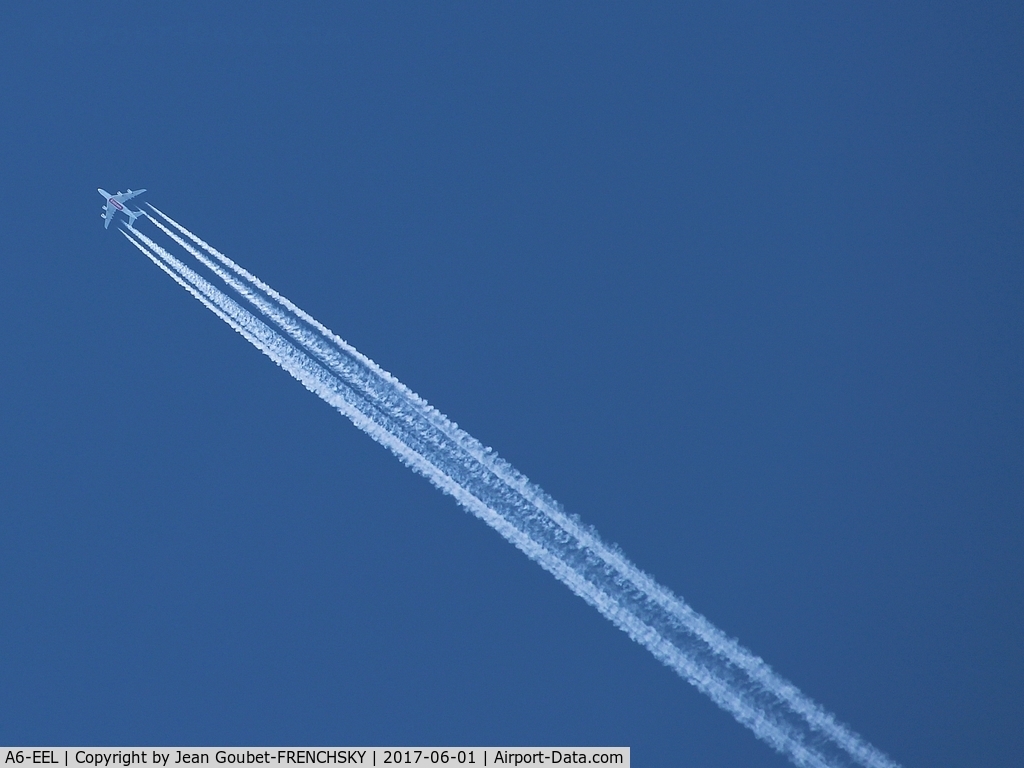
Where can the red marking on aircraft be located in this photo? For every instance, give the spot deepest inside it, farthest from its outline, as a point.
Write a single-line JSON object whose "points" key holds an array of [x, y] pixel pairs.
{"points": [[116, 204]]}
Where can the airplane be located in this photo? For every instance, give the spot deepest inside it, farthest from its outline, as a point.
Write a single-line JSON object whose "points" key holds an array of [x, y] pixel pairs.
{"points": [[114, 205]]}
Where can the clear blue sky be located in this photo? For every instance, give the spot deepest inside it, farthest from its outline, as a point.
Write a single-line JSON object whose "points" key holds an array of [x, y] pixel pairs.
{"points": [[742, 287]]}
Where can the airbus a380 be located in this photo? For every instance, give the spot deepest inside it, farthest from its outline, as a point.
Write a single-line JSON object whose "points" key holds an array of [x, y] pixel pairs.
{"points": [[114, 205]]}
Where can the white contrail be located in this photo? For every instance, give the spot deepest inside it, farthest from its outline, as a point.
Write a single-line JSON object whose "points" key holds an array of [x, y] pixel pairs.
{"points": [[427, 441], [166, 267], [310, 374]]}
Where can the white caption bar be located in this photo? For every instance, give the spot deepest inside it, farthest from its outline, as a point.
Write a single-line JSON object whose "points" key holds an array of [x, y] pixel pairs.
{"points": [[163, 757]]}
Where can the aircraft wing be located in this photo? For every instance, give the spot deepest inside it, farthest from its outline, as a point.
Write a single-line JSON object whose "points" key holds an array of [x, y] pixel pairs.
{"points": [[109, 215], [129, 195]]}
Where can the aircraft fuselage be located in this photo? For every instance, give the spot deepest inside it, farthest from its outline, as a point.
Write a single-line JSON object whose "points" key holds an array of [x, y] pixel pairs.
{"points": [[111, 199]]}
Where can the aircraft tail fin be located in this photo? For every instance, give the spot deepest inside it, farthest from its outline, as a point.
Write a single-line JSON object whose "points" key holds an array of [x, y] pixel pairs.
{"points": [[132, 216]]}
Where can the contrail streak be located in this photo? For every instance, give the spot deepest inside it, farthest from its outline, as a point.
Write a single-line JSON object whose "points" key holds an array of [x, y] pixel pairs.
{"points": [[423, 438], [170, 270]]}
